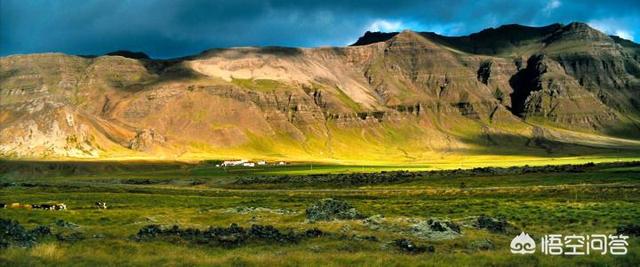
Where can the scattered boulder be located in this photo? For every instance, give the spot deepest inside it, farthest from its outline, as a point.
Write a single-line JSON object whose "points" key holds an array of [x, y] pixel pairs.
{"points": [[435, 229], [629, 230], [407, 246], [494, 225], [331, 209], [374, 222], [14, 234]]}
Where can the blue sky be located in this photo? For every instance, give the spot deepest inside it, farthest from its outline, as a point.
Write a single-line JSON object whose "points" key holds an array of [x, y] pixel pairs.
{"points": [[170, 28]]}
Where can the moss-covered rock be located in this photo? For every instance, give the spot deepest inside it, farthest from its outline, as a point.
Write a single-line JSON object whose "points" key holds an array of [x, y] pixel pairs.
{"points": [[332, 209], [436, 229]]}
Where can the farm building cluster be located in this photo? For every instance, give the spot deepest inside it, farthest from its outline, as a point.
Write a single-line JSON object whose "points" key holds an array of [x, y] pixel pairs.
{"points": [[248, 163]]}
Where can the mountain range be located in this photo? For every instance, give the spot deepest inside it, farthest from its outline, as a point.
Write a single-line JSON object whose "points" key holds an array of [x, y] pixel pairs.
{"points": [[552, 91]]}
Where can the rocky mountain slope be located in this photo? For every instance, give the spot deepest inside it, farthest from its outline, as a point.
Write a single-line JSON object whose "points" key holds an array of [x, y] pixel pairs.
{"points": [[553, 90]]}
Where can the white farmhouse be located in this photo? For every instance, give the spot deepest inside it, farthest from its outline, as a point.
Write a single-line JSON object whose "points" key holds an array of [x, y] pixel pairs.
{"points": [[227, 163]]}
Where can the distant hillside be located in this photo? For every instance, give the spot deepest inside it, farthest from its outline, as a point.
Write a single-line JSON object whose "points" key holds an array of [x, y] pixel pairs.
{"points": [[558, 90]]}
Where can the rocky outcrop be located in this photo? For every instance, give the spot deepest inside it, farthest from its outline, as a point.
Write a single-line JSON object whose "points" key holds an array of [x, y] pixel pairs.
{"points": [[436, 229], [332, 209], [145, 139]]}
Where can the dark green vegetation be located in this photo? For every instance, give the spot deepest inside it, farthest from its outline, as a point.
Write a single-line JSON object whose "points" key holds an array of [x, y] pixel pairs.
{"points": [[184, 214]]}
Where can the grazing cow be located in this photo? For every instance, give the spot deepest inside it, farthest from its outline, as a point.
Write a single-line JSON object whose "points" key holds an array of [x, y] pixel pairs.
{"points": [[60, 206], [101, 205], [46, 207]]}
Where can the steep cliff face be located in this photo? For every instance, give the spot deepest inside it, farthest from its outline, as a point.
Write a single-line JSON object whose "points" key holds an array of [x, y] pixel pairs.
{"points": [[392, 97], [543, 89], [600, 64]]}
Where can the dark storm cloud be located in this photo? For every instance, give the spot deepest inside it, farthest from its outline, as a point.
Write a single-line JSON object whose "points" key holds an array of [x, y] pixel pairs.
{"points": [[165, 28]]}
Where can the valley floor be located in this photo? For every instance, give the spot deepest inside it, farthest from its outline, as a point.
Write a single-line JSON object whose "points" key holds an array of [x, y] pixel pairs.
{"points": [[586, 199]]}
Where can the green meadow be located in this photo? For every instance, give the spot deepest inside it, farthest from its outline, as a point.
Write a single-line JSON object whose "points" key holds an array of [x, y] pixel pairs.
{"points": [[596, 200]]}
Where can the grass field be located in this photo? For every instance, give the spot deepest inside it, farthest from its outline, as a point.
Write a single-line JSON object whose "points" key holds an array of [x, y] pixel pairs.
{"points": [[594, 201]]}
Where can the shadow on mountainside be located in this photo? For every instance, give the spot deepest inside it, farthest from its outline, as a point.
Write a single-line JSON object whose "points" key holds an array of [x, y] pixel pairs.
{"points": [[241, 52], [630, 130], [540, 146]]}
